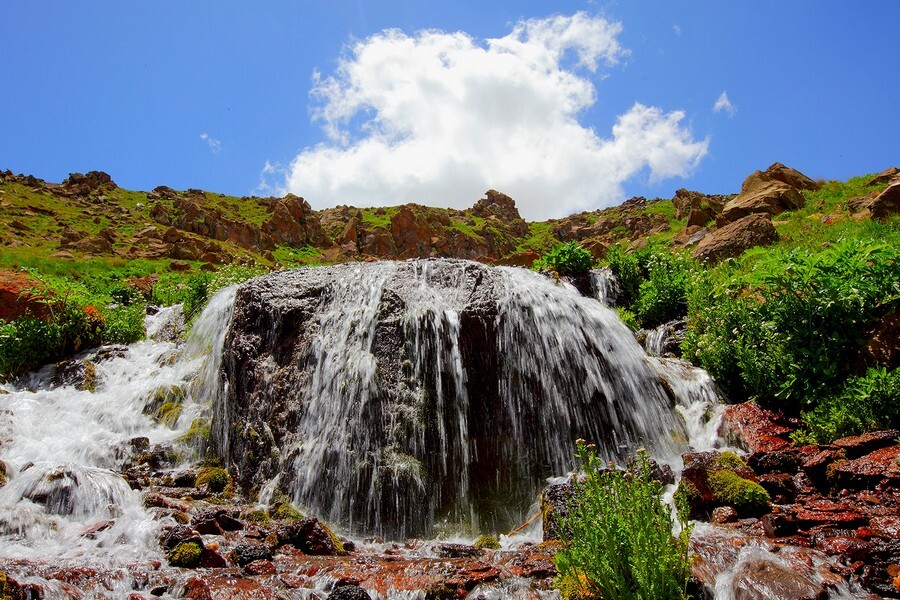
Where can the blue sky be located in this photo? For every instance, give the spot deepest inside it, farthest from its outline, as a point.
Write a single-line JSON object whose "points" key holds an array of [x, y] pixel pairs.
{"points": [[206, 94]]}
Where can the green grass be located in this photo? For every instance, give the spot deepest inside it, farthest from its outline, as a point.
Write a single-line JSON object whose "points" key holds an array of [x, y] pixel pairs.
{"points": [[539, 238], [371, 218]]}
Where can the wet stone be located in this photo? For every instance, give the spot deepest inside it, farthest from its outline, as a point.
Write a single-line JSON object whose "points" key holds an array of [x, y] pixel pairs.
{"points": [[349, 592], [247, 552]]}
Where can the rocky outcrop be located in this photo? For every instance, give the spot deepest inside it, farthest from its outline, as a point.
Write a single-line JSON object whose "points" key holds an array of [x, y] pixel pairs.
{"points": [[884, 177], [887, 203], [791, 177], [382, 359], [82, 185], [762, 192], [502, 207], [732, 239], [295, 223]]}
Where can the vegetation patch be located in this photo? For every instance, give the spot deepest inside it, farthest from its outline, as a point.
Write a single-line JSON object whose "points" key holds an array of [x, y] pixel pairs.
{"points": [[566, 259], [216, 478], [186, 555], [617, 538]]}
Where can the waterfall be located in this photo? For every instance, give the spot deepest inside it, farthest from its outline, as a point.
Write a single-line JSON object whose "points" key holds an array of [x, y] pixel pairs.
{"points": [[63, 446], [392, 398]]}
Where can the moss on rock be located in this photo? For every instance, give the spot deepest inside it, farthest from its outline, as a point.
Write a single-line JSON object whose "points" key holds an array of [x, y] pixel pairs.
{"points": [[488, 541], [731, 488], [185, 554], [216, 478]]}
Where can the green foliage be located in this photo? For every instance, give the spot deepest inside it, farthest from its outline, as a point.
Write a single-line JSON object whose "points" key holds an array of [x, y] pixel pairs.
{"points": [[566, 259], [27, 343], [628, 318], [258, 516], [617, 538], [864, 404], [787, 330], [185, 554], [654, 283], [626, 267], [662, 296], [488, 541], [215, 477], [124, 323], [731, 488]]}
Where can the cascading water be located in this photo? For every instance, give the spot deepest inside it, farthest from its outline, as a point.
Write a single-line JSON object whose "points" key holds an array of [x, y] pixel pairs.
{"points": [[389, 397], [61, 445]]}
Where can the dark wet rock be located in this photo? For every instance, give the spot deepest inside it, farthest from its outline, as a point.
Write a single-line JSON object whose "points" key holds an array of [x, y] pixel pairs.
{"points": [[724, 514], [217, 518], [180, 534], [247, 552], [310, 536], [448, 550], [860, 445], [778, 525], [781, 486], [260, 567], [270, 361], [879, 468], [766, 579], [755, 229], [555, 501], [81, 374], [755, 428], [349, 592]]}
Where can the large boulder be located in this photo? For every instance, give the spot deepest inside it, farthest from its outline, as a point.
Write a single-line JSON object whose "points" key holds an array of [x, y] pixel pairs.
{"points": [[498, 204], [887, 203], [732, 239], [762, 193], [385, 395], [791, 177]]}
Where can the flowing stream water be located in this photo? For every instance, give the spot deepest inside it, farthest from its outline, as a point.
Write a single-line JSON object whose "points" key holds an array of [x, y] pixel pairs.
{"points": [[566, 363]]}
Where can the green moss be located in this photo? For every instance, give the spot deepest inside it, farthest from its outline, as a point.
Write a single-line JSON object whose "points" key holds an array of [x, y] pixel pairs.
{"points": [[258, 516], [168, 414], [198, 433], [338, 544], [285, 512], [730, 460], [215, 477], [731, 488], [488, 541], [185, 554], [573, 587]]}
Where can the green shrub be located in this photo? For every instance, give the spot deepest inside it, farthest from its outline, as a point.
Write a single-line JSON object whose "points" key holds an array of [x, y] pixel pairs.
{"points": [[662, 296], [215, 477], [26, 344], [787, 331], [628, 318], [627, 268], [731, 488], [566, 259], [617, 538], [185, 554], [866, 403], [124, 323]]}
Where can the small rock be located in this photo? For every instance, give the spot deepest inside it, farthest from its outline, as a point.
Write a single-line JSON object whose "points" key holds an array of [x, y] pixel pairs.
{"points": [[349, 592], [724, 514], [260, 567], [246, 552]]}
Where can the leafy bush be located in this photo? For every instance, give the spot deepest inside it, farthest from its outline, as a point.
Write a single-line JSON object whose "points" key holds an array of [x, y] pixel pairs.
{"points": [[617, 538], [627, 268], [26, 343], [124, 323], [566, 259], [662, 296], [866, 403], [788, 329]]}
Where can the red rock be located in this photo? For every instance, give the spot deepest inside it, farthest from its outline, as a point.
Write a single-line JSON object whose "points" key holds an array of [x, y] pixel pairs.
{"points": [[730, 241], [756, 428], [886, 527], [260, 567], [777, 525], [724, 514], [811, 518], [780, 486], [858, 445], [878, 468], [21, 295], [762, 579], [520, 259], [210, 559], [852, 548]]}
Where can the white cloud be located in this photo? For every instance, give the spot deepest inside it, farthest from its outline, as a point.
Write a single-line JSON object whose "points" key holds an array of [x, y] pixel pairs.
{"points": [[438, 118], [676, 29], [724, 104], [214, 144]]}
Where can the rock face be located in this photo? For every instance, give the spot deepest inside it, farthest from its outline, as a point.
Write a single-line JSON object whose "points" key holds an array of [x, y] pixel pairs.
{"points": [[731, 240], [886, 203], [762, 193], [383, 394]]}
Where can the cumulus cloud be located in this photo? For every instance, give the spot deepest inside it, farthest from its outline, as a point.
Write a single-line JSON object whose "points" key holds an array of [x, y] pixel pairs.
{"points": [[214, 144], [437, 118], [676, 29], [723, 104]]}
